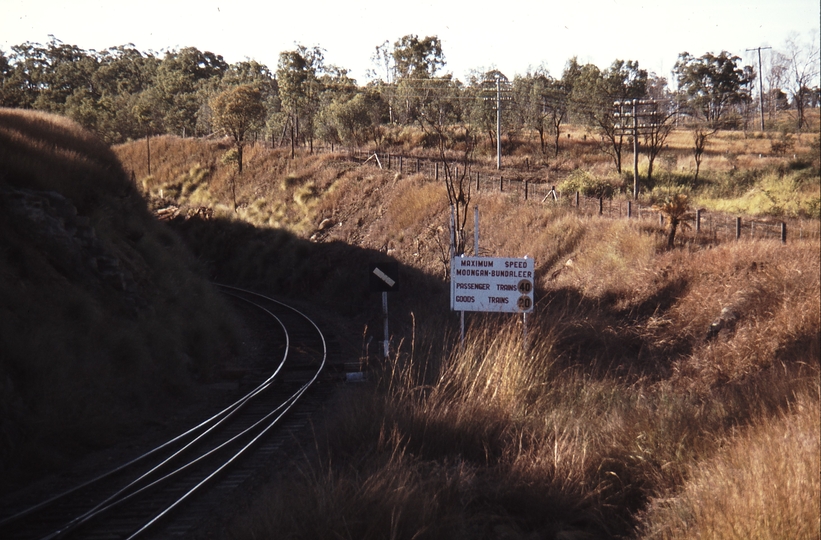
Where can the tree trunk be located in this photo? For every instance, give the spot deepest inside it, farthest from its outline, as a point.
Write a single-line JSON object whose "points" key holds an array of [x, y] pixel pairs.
{"points": [[293, 141], [239, 156], [234, 191], [671, 232]]}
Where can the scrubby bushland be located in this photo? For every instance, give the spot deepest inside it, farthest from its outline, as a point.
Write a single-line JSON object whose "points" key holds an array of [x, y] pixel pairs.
{"points": [[652, 375], [104, 319], [644, 408]]}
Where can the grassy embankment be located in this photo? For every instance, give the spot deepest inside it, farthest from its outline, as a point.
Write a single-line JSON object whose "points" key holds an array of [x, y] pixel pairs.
{"points": [[665, 393], [105, 322]]}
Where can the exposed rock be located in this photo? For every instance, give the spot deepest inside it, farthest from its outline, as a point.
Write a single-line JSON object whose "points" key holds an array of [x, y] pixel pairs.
{"points": [[725, 321], [69, 242]]}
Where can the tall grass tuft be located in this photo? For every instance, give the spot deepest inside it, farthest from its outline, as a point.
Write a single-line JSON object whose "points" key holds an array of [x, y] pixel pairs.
{"points": [[643, 364], [105, 319], [765, 482]]}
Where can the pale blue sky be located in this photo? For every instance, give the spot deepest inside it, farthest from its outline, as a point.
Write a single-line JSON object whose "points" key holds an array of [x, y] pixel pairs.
{"points": [[510, 35]]}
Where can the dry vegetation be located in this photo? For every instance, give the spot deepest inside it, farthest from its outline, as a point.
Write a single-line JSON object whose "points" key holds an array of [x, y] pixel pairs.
{"points": [[104, 320], [664, 393]]}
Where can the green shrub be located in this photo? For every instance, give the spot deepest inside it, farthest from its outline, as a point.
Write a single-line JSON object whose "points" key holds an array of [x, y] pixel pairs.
{"points": [[230, 157], [588, 184]]}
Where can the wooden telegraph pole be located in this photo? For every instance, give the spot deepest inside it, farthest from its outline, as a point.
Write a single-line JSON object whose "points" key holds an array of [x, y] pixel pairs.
{"points": [[760, 85], [642, 113], [635, 152]]}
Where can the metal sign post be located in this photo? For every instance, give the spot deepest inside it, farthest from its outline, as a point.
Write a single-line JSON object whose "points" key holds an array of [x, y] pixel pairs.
{"points": [[384, 277], [386, 342], [490, 284]]}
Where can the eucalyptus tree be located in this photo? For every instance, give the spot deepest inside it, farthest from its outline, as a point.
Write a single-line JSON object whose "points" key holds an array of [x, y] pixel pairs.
{"points": [[416, 58], [5, 71], [259, 77], [708, 88], [480, 103], [239, 110], [659, 119], [542, 102], [124, 70], [298, 73], [44, 76], [711, 85], [66, 69], [122, 74], [347, 113], [354, 119], [442, 114], [592, 93], [414, 62], [21, 77], [184, 81]]}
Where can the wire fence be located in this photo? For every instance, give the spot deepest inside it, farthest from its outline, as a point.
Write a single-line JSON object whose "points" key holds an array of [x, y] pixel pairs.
{"points": [[699, 224]]}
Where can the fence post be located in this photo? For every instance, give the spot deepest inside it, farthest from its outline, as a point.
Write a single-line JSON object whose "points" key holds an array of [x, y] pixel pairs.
{"points": [[577, 200], [389, 160], [501, 183], [783, 232], [698, 221], [629, 209], [401, 164], [525, 189], [737, 228], [601, 205], [477, 181], [436, 170], [418, 165]]}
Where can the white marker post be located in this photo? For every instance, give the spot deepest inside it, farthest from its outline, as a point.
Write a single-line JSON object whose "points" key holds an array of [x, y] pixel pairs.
{"points": [[386, 342], [385, 278]]}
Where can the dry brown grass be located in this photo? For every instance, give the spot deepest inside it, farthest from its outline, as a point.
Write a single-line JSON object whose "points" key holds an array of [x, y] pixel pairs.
{"points": [[764, 483], [626, 391], [103, 318], [494, 439]]}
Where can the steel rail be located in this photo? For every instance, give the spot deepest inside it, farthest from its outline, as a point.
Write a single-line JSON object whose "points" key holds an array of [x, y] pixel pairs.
{"points": [[146, 480], [215, 419], [285, 408]]}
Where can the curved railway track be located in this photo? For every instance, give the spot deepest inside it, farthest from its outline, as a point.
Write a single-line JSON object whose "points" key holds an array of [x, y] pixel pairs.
{"points": [[168, 490]]}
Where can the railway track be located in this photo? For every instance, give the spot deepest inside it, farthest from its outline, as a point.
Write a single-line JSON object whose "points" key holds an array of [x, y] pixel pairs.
{"points": [[167, 491]]}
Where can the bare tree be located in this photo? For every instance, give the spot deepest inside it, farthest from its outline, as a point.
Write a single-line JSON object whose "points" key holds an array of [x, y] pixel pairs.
{"points": [[778, 74], [658, 128], [804, 70], [457, 182], [701, 132]]}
